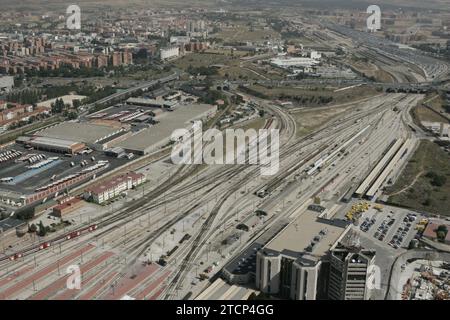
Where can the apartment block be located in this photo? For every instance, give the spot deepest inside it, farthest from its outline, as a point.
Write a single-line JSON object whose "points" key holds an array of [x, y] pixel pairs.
{"points": [[114, 187]]}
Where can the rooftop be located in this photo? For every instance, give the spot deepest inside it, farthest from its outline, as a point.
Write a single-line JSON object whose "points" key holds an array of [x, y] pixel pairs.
{"points": [[299, 234], [67, 204], [113, 182], [78, 131], [160, 133], [54, 142]]}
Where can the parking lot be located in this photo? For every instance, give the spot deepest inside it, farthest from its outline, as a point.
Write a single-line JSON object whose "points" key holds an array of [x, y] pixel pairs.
{"points": [[391, 226], [27, 179]]}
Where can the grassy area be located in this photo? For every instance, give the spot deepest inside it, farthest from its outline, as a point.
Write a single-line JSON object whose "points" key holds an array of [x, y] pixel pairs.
{"points": [[314, 96], [435, 102], [197, 60], [424, 185], [254, 124], [425, 114], [369, 69], [228, 63], [243, 33], [311, 119], [228, 52]]}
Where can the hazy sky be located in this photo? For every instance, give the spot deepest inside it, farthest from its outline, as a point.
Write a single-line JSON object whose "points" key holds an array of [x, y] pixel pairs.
{"points": [[51, 4]]}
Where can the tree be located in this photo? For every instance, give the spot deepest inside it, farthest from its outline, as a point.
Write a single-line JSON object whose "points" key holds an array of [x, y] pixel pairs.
{"points": [[76, 103], [58, 106], [441, 232], [436, 179], [42, 229], [32, 228], [25, 215]]}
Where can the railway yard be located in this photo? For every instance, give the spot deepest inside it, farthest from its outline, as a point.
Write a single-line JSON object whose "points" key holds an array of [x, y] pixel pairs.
{"points": [[157, 244], [99, 197]]}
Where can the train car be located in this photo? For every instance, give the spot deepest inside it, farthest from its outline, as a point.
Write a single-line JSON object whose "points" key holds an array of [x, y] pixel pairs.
{"points": [[93, 228], [73, 235], [16, 256], [44, 245]]}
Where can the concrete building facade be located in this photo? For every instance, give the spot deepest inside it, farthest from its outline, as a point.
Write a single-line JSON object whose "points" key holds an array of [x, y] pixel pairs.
{"points": [[114, 187], [294, 265], [349, 273]]}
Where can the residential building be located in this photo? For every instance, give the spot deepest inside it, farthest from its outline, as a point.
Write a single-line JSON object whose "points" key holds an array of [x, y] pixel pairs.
{"points": [[114, 187], [169, 53]]}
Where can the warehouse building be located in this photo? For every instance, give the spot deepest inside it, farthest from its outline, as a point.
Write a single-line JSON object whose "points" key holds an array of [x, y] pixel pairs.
{"points": [[150, 139], [155, 103], [67, 207], [90, 134], [56, 145], [114, 187], [295, 263]]}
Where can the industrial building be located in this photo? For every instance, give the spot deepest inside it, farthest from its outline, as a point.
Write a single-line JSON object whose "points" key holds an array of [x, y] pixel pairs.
{"points": [[295, 263], [114, 187], [391, 159], [350, 272], [55, 145], [150, 139], [68, 206], [378, 169], [84, 132], [32, 185], [293, 62], [156, 103], [395, 161]]}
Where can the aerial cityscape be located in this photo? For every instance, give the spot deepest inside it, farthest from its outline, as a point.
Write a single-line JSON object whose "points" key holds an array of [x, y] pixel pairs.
{"points": [[225, 150]]}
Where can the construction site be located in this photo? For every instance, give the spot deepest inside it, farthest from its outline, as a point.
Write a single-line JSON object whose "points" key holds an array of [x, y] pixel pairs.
{"points": [[428, 280]]}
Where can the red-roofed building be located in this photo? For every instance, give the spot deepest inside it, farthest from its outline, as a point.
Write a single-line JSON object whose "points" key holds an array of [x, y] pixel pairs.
{"points": [[114, 187], [14, 112], [67, 207]]}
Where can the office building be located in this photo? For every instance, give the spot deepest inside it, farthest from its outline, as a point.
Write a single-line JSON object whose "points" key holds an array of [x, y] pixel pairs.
{"points": [[294, 264], [350, 268]]}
